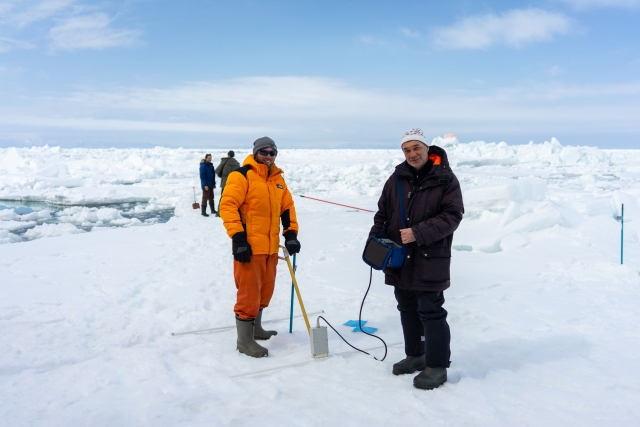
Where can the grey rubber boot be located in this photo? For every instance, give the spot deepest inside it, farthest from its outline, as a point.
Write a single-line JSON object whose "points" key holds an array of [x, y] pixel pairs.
{"points": [[430, 378], [409, 365], [258, 332], [246, 344]]}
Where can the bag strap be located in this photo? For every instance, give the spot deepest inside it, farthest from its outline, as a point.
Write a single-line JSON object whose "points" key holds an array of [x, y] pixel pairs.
{"points": [[401, 198]]}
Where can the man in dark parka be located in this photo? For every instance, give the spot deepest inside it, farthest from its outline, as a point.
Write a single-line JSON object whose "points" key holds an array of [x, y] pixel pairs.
{"points": [[227, 165], [433, 202], [208, 183]]}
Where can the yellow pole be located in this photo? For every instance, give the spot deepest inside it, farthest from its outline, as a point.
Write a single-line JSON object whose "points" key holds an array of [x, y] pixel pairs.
{"points": [[295, 285]]}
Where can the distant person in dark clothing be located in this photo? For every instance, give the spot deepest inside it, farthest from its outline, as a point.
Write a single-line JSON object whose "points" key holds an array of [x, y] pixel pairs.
{"points": [[227, 165], [208, 183]]}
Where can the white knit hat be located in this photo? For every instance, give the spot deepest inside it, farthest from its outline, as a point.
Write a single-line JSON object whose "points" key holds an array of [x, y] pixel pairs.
{"points": [[414, 135]]}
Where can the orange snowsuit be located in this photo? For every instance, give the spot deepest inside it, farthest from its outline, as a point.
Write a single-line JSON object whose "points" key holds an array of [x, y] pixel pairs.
{"points": [[255, 200]]}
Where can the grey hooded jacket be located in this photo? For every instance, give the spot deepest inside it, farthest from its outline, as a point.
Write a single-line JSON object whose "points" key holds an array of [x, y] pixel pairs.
{"points": [[226, 166]]}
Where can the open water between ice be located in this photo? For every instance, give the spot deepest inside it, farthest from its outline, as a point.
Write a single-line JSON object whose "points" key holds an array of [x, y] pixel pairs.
{"points": [[24, 220]]}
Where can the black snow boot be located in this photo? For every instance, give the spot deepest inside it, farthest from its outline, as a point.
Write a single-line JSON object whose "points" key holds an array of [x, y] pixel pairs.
{"points": [[213, 209], [258, 332], [409, 365], [246, 343], [204, 210], [430, 378]]}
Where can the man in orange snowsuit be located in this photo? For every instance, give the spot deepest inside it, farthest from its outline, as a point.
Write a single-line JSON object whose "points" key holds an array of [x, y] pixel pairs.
{"points": [[254, 203]]}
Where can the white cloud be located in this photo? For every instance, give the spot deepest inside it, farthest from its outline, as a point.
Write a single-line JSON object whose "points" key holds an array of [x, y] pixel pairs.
{"points": [[260, 95], [408, 33], [10, 70], [555, 70], [7, 44], [320, 109], [90, 32], [559, 92], [587, 4], [71, 24], [512, 28], [23, 13], [372, 40], [5, 7], [89, 123]]}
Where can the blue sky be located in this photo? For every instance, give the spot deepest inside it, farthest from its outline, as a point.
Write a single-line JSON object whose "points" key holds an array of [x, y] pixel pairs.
{"points": [[318, 73]]}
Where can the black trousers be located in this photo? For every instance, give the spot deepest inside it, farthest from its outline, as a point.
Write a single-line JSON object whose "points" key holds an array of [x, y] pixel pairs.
{"points": [[424, 325]]}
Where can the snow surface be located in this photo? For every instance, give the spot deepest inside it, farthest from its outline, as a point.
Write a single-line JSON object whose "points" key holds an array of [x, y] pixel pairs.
{"points": [[543, 316]]}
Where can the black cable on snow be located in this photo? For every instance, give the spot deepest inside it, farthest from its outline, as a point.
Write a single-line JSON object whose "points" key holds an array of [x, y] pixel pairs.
{"points": [[360, 324]]}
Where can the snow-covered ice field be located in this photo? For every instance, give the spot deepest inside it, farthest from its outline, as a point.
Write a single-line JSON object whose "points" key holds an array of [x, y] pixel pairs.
{"points": [[544, 319]]}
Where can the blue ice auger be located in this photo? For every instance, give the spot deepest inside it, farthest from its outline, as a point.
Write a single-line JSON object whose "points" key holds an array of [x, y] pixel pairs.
{"points": [[622, 236], [292, 292], [621, 219]]}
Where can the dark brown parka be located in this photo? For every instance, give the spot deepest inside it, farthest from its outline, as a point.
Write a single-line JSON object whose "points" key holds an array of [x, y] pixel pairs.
{"points": [[433, 203]]}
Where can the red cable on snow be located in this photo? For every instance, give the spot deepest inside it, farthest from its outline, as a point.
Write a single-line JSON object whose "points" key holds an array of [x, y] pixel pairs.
{"points": [[334, 203]]}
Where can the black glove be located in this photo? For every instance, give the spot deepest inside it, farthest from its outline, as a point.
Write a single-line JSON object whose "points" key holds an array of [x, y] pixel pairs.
{"points": [[291, 242], [241, 248]]}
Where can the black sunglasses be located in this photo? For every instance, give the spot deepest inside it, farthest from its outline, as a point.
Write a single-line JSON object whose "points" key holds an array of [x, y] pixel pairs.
{"points": [[271, 153]]}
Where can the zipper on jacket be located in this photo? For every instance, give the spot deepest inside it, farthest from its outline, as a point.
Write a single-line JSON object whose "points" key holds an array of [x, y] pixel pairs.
{"points": [[270, 210], [425, 184]]}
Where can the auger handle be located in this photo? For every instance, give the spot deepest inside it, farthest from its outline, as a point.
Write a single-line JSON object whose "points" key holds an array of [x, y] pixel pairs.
{"points": [[295, 285]]}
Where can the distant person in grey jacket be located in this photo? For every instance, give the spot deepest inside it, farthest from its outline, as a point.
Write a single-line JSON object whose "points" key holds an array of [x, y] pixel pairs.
{"points": [[227, 165]]}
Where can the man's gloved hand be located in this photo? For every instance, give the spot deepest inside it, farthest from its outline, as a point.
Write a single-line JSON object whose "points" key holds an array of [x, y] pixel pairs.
{"points": [[241, 248], [291, 242]]}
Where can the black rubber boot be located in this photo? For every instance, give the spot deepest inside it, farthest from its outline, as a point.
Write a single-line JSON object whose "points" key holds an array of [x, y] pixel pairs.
{"points": [[213, 209], [430, 378], [204, 210], [409, 365], [258, 332], [246, 344]]}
